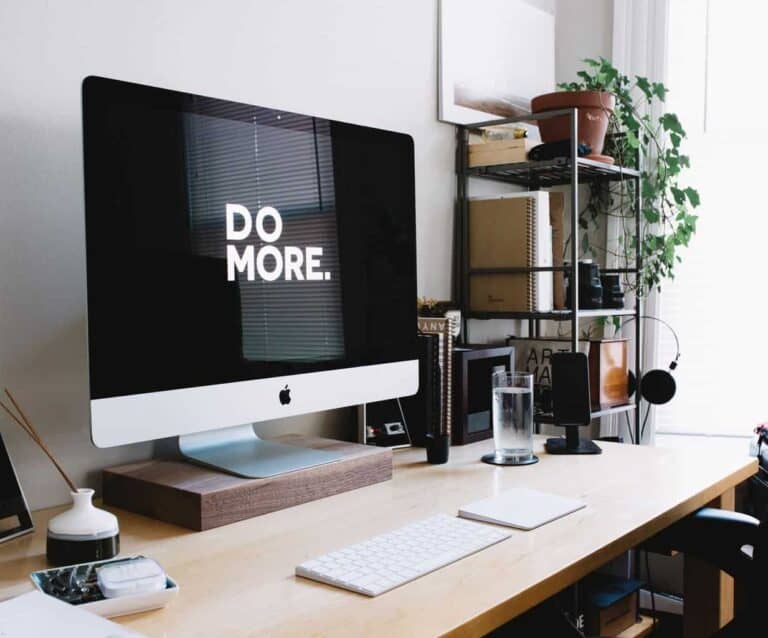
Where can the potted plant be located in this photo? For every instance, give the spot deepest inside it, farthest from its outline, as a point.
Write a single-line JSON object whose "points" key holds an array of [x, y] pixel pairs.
{"points": [[667, 218], [595, 109]]}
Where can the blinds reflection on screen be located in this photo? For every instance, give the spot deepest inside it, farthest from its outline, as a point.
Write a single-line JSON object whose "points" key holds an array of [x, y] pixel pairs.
{"points": [[284, 161]]}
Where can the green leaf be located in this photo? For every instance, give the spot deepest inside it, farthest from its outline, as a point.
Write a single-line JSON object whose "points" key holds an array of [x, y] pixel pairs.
{"points": [[693, 196], [678, 194], [644, 85], [670, 123], [660, 91], [591, 62], [651, 215]]}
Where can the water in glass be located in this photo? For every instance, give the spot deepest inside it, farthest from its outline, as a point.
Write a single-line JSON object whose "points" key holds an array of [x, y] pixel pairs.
{"points": [[513, 422]]}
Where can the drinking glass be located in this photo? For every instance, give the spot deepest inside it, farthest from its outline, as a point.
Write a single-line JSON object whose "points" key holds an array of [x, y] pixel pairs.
{"points": [[512, 415]]}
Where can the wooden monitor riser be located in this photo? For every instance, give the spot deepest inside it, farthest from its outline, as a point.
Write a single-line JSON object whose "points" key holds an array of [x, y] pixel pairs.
{"points": [[199, 498]]}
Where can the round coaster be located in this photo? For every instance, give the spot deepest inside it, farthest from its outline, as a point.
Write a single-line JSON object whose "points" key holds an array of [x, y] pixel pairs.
{"points": [[491, 459]]}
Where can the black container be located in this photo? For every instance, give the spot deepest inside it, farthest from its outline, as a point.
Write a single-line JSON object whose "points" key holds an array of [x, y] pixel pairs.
{"points": [[613, 295], [438, 448], [60, 551], [590, 288]]}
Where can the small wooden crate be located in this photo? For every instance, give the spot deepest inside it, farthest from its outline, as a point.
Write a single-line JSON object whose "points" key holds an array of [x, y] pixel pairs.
{"points": [[495, 152]]}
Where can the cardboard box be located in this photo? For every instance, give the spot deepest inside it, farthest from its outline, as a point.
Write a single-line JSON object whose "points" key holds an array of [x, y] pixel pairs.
{"points": [[608, 381], [611, 621], [610, 604], [510, 151]]}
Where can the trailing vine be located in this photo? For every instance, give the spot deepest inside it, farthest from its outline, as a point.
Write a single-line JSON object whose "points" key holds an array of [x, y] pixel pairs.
{"points": [[667, 218]]}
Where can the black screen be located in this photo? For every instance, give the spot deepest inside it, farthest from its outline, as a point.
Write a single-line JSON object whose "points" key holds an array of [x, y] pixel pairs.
{"points": [[228, 242], [570, 388]]}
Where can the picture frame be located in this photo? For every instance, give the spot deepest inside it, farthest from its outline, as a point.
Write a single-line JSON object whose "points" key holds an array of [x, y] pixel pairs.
{"points": [[483, 49], [15, 519]]}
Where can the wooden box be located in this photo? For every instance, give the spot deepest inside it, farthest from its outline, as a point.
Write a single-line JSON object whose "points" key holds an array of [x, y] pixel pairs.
{"points": [[610, 604], [608, 380], [200, 498], [510, 151], [610, 621]]}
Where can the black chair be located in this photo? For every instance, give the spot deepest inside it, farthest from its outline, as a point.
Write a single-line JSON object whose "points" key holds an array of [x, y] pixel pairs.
{"points": [[738, 545]]}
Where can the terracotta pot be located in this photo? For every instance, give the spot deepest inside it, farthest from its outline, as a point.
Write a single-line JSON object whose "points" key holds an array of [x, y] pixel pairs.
{"points": [[594, 107]]}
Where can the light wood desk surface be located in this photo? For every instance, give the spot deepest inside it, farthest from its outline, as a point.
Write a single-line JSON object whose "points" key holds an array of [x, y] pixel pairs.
{"points": [[238, 580]]}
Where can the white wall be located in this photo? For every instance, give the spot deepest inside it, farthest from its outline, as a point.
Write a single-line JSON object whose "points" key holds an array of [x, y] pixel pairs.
{"points": [[584, 29], [371, 62]]}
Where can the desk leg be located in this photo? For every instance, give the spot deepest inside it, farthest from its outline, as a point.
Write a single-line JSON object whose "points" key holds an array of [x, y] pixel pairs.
{"points": [[709, 593]]}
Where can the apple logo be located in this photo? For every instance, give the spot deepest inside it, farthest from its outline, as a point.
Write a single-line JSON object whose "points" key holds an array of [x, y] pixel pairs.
{"points": [[285, 395]]}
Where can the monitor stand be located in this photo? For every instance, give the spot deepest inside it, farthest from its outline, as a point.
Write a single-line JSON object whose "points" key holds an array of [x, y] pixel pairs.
{"points": [[239, 450], [571, 444]]}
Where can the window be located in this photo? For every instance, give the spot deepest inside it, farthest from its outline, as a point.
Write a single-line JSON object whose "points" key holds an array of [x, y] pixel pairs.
{"points": [[718, 302]]}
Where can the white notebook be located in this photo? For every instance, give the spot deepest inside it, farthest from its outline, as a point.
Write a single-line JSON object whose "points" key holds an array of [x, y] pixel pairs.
{"points": [[35, 614], [521, 508]]}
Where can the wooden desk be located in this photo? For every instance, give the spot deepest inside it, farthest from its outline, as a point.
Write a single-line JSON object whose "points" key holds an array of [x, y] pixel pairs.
{"points": [[238, 580]]}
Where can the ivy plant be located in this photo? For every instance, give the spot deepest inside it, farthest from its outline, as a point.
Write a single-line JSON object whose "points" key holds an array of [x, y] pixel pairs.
{"points": [[667, 218]]}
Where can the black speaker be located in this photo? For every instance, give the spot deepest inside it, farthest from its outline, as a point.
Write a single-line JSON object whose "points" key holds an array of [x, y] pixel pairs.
{"points": [[657, 386]]}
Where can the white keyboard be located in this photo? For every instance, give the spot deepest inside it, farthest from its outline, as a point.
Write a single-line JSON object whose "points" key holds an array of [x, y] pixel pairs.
{"points": [[389, 560]]}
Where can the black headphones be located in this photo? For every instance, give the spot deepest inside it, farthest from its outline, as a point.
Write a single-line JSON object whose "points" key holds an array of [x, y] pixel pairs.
{"points": [[657, 386]]}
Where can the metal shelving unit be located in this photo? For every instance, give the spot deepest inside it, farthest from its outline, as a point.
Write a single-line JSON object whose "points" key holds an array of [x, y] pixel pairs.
{"points": [[572, 170]]}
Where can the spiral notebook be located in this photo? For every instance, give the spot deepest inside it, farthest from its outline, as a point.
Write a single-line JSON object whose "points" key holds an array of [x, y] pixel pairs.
{"points": [[510, 231]]}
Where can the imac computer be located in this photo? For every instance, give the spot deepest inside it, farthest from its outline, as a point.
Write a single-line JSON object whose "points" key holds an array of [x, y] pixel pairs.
{"points": [[243, 263]]}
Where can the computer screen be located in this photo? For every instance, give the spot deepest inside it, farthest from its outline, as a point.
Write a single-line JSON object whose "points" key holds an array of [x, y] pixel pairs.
{"points": [[227, 242]]}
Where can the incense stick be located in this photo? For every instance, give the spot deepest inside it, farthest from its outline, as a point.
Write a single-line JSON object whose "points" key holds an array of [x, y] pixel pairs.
{"points": [[25, 424]]}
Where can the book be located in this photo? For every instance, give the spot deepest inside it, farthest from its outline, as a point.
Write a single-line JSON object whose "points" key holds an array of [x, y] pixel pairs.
{"points": [[534, 355], [444, 328], [556, 209], [423, 409], [510, 231]]}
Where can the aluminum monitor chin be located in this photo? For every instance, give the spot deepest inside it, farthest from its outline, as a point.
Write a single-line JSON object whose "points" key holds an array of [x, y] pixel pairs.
{"points": [[243, 263]]}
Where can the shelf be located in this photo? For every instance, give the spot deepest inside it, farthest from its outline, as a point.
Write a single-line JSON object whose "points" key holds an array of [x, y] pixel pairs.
{"points": [[552, 172], [517, 270], [548, 419], [554, 315], [529, 269], [568, 170], [608, 312]]}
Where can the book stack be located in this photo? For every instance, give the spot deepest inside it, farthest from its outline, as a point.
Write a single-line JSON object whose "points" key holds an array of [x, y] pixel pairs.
{"points": [[444, 328], [511, 231]]}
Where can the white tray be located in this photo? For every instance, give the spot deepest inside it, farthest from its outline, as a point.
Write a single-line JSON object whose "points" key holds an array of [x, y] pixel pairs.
{"points": [[112, 607]]}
